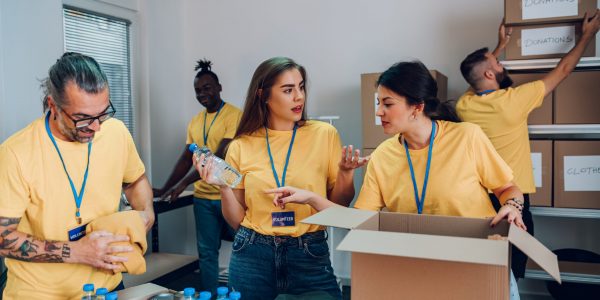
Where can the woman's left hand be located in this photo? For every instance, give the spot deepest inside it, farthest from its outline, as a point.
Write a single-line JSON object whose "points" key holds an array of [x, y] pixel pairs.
{"points": [[351, 159], [512, 214]]}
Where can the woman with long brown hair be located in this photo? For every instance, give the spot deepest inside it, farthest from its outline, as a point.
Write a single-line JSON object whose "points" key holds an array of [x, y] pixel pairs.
{"points": [[275, 145]]}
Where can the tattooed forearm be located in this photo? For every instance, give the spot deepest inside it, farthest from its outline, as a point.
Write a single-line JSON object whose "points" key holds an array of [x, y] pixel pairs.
{"points": [[25, 247]]}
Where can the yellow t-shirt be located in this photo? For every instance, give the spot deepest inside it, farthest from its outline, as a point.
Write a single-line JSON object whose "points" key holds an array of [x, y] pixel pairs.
{"points": [[503, 117], [35, 188], [313, 165], [463, 164], [224, 127]]}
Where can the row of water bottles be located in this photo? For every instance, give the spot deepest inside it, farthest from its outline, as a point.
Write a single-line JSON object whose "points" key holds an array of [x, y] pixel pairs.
{"points": [[101, 293], [222, 294]]}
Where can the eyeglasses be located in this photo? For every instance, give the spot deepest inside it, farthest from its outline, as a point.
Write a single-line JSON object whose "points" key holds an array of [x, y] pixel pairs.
{"points": [[85, 122]]}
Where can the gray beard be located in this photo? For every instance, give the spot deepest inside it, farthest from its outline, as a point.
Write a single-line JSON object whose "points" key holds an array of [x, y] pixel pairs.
{"points": [[71, 134]]}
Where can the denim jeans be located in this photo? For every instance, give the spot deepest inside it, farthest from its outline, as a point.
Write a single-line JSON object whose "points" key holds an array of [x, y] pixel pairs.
{"points": [[264, 266], [209, 226]]}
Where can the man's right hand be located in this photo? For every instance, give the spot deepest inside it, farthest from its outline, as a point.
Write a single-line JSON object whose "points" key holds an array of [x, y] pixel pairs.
{"points": [[173, 194], [95, 249]]}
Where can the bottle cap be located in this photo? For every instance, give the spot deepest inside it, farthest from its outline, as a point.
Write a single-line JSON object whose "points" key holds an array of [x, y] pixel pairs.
{"points": [[193, 147], [112, 296], [88, 287], [189, 291], [235, 295], [101, 291], [205, 296], [222, 290]]}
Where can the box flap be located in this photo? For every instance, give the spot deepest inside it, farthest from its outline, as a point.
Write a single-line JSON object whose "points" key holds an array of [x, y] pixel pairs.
{"points": [[457, 249], [341, 217], [535, 250]]}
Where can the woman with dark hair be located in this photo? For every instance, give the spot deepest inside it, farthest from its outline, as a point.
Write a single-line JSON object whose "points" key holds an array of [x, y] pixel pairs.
{"points": [[212, 127], [273, 253], [433, 165]]}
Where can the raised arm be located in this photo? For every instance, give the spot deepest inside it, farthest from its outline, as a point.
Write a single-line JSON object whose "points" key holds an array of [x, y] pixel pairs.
{"points": [[503, 39], [567, 64]]}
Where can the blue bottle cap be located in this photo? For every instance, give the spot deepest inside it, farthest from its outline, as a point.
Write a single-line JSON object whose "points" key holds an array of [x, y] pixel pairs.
{"points": [[189, 291], [193, 147], [205, 296], [235, 295], [222, 290], [112, 296], [88, 287], [101, 291]]}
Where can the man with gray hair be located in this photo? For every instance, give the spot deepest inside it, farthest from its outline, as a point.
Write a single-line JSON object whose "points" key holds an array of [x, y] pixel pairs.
{"points": [[58, 174]]}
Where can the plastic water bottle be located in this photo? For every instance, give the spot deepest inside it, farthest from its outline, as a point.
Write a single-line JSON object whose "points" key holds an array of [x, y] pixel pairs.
{"points": [[204, 296], [225, 173], [222, 293], [189, 293], [235, 295], [101, 293], [112, 296], [88, 292]]}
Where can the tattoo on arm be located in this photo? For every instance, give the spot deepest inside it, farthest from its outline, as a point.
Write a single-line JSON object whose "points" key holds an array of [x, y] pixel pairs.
{"points": [[25, 247]]}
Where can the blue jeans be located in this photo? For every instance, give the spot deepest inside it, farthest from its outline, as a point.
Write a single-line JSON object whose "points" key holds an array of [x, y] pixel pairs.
{"points": [[210, 224], [264, 266]]}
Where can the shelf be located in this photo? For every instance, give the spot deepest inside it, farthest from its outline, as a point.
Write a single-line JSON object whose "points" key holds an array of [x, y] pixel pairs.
{"points": [[532, 64], [566, 277], [566, 212], [566, 131]]}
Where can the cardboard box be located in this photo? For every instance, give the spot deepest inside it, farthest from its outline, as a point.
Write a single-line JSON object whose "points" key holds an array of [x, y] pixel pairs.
{"points": [[577, 99], [577, 174], [546, 41], [541, 156], [520, 12], [413, 256], [372, 131], [543, 114]]}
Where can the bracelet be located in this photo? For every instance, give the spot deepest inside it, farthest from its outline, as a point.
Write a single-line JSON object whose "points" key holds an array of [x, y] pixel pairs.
{"points": [[514, 204]]}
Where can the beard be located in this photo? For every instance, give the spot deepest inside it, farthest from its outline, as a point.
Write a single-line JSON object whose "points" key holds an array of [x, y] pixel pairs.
{"points": [[503, 79], [73, 133]]}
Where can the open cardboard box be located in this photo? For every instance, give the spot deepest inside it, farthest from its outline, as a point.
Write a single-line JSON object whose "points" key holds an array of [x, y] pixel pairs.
{"points": [[409, 256]]}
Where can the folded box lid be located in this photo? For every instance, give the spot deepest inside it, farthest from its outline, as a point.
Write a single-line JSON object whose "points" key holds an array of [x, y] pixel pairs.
{"points": [[341, 217], [535, 250]]}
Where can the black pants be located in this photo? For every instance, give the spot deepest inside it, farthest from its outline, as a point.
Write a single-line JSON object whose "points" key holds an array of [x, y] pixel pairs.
{"points": [[519, 259]]}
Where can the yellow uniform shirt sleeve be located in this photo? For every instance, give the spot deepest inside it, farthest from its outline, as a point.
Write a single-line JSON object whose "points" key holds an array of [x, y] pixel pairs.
{"points": [[492, 169], [233, 159], [134, 167], [14, 196], [335, 156], [370, 197], [189, 138], [525, 98]]}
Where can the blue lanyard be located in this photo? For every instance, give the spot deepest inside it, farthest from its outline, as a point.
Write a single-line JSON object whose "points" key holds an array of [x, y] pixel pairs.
{"points": [[204, 132], [412, 171], [484, 92], [287, 159], [78, 198]]}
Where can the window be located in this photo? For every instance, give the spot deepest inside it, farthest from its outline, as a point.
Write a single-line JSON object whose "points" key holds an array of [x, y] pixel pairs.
{"points": [[106, 39]]}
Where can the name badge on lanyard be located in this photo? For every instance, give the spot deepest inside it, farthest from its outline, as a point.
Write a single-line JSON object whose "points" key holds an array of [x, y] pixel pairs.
{"points": [[283, 218], [77, 233]]}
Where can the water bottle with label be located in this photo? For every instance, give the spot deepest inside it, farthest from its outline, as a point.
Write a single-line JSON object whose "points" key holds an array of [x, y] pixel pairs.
{"points": [[88, 292], [189, 293], [235, 295], [101, 293], [222, 293], [225, 173]]}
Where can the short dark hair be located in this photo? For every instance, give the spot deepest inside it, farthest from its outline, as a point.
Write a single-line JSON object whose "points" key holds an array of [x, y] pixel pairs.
{"points": [[83, 70], [470, 62], [412, 80], [205, 67]]}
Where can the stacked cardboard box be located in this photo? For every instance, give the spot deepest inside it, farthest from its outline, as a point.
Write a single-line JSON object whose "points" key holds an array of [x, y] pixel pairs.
{"points": [[546, 29], [549, 29]]}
